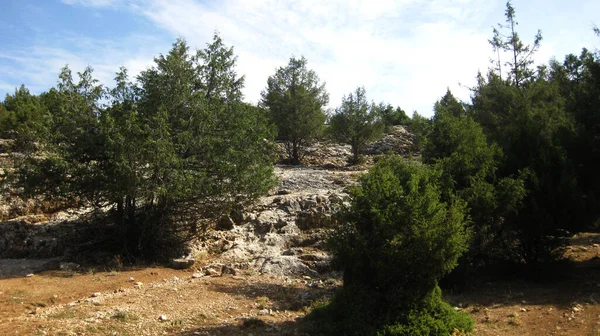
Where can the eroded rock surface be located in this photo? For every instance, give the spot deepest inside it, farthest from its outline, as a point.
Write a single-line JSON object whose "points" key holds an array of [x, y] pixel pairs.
{"points": [[283, 233]]}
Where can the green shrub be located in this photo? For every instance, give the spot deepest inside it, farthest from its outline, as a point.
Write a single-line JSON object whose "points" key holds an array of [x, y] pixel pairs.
{"points": [[394, 243], [434, 317], [398, 237]]}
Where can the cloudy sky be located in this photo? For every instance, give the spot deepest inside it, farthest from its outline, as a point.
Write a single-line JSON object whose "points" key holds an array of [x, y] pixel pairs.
{"points": [[404, 52]]}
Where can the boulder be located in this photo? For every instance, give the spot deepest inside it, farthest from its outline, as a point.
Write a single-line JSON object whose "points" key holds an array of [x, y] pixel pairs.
{"points": [[283, 265], [182, 263]]}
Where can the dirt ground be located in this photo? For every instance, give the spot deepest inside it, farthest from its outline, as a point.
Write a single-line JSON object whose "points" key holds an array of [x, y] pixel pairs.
{"points": [[162, 301]]}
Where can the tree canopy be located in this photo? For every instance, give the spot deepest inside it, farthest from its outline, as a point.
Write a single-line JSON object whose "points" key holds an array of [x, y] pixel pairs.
{"points": [[499, 179], [166, 154], [295, 98], [356, 121]]}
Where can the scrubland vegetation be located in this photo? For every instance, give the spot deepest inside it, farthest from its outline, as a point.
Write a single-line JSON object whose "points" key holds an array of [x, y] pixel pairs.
{"points": [[502, 179]]}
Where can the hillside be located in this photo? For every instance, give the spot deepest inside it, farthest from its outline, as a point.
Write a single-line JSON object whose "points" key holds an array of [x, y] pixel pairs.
{"points": [[256, 274]]}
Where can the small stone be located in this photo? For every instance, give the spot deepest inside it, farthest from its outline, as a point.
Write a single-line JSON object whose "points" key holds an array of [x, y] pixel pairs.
{"points": [[523, 302], [306, 277], [131, 279], [175, 279], [228, 270], [138, 285], [523, 309], [264, 312], [182, 263], [162, 318], [29, 275], [97, 294], [211, 272], [197, 275]]}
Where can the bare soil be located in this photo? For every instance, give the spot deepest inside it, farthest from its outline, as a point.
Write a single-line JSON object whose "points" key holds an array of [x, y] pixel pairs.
{"points": [[172, 302], [155, 301], [162, 301], [564, 302]]}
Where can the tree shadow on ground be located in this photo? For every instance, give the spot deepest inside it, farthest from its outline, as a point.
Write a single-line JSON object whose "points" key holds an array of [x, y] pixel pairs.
{"points": [[292, 300], [289, 296], [34, 244], [257, 327], [560, 285]]}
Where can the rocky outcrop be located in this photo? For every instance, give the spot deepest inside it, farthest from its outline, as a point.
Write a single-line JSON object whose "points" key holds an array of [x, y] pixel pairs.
{"points": [[325, 153], [397, 141], [38, 236], [283, 232], [21, 238]]}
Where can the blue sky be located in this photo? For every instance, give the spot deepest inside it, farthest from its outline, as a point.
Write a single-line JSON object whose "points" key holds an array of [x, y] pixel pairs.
{"points": [[405, 52]]}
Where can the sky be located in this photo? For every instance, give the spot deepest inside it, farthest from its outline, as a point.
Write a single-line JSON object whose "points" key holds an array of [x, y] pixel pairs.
{"points": [[404, 52]]}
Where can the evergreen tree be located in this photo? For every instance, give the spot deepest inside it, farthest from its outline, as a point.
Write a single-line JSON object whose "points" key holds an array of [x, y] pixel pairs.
{"points": [[218, 78], [395, 241], [521, 55], [5, 120], [578, 79], [458, 146], [530, 125], [390, 116], [420, 127], [295, 99], [167, 155], [356, 122], [22, 115]]}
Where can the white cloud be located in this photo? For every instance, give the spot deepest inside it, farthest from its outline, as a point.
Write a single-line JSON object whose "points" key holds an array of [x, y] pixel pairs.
{"points": [[402, 58], [38, 66], [405, 52]]}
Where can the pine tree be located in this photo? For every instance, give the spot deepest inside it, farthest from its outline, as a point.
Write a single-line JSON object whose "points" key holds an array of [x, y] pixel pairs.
{"points": [[356, 121], [521, 54], [295, 99], [167, 155]]}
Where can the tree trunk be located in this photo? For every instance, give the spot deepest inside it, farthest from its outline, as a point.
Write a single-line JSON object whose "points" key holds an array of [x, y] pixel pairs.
{"points": [[355, 153], [295, 159], [119, 216], [134, 229], [516, 65]]}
